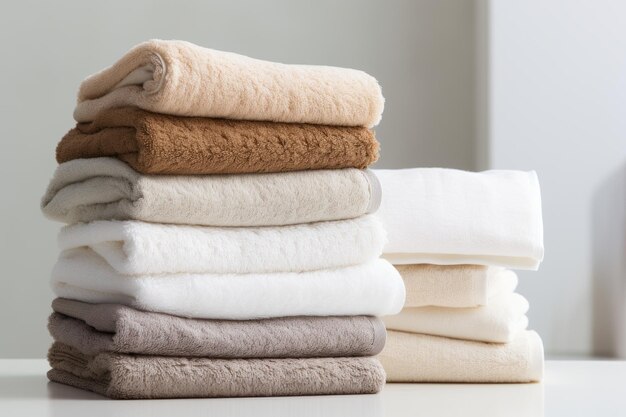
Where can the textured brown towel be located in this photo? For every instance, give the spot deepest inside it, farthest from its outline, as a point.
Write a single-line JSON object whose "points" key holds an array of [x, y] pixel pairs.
{"points": [[135, 376], [98, 328], [160, 144]]}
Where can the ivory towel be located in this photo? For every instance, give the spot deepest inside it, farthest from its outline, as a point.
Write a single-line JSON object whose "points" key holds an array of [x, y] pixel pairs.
{"points": [[421, 358], [136, 248], [373, 289], [498, 321], [159, 144], [84, 190], [447, 217], [136, 376], [180, 78], [454, 285], [98, 328]]}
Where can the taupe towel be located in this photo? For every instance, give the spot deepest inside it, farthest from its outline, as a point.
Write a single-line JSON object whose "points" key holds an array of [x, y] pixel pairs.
{"points": [[160, 144], [98, 328], [135, 376]]}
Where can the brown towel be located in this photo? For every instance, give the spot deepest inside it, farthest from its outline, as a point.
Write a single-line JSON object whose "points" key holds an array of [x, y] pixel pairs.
{"points": [[135, 376], [160, 144], [97, 328]]}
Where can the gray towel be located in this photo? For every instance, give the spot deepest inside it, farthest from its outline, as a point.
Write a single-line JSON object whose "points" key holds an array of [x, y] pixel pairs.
{"points": [[98, 328], [136, 376]]}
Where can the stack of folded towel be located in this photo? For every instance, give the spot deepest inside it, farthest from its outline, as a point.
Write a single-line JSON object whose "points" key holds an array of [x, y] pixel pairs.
{"points": [[262, 280], [452, 234]]}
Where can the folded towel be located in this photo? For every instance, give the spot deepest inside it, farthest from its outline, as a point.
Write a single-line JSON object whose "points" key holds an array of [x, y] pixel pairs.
{"points": [[84, 190], [136, 248], [372, 289], [136, 376], [447, 217], [454, 285], [420, 358], [98, 328], [498, 321], [180, 78], [159, 144]]}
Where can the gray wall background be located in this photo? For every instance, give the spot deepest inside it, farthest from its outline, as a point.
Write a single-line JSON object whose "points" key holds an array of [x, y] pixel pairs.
{"points": [[422, 52]]}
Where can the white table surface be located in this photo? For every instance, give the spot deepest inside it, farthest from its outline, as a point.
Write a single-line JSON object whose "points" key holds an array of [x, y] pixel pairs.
{"points": [[570, 388]]}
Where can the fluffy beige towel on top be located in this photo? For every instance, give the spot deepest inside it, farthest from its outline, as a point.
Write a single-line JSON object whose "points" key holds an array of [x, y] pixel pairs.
{"points": [[183, 79]]}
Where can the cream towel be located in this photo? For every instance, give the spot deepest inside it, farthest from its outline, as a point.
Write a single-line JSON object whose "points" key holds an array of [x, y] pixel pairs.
{"points": [[183, 79], [84, 190], [421, 358], [454, 285], [372, 289], [499, 321], [447, 217], [136, 248]]}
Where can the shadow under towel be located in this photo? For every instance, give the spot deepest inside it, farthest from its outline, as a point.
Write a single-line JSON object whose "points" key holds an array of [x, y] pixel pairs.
{"points": [[134, 376], [98, 328], [154, 143]]}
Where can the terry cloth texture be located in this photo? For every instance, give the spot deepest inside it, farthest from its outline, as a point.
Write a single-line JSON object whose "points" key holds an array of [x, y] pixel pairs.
{"points": [[136, 248], [159, 144], [499, 321], [136, 376], [180, 78], [421, 358], [454, 285], [84, 190], [371, 289], [448, 217], [98, 328]]}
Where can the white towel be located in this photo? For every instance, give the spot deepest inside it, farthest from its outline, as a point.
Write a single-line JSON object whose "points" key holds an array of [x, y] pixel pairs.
{"points": [[498, 321], [421, 358], [454, 285], [84, 190], [374, 288], [135, 248], [445, 216]]}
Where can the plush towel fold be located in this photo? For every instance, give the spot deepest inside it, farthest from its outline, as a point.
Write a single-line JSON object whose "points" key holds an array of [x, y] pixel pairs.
{"points": [[98, 328], [498, 321], [447, 217], [373, 289], [136, 376], [84, 190], [180, 78], [159, 144], [454, 285], [136, 248], [421, 358]]}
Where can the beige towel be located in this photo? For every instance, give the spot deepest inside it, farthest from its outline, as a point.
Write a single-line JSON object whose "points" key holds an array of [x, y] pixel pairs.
{"points": [[84, 190], [454, 285], [180, 78], [136, 376], [499, 321], [421, 358]]}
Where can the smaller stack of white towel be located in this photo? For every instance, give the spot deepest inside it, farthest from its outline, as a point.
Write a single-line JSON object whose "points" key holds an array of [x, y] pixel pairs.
{"points": [[452, 236]]}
